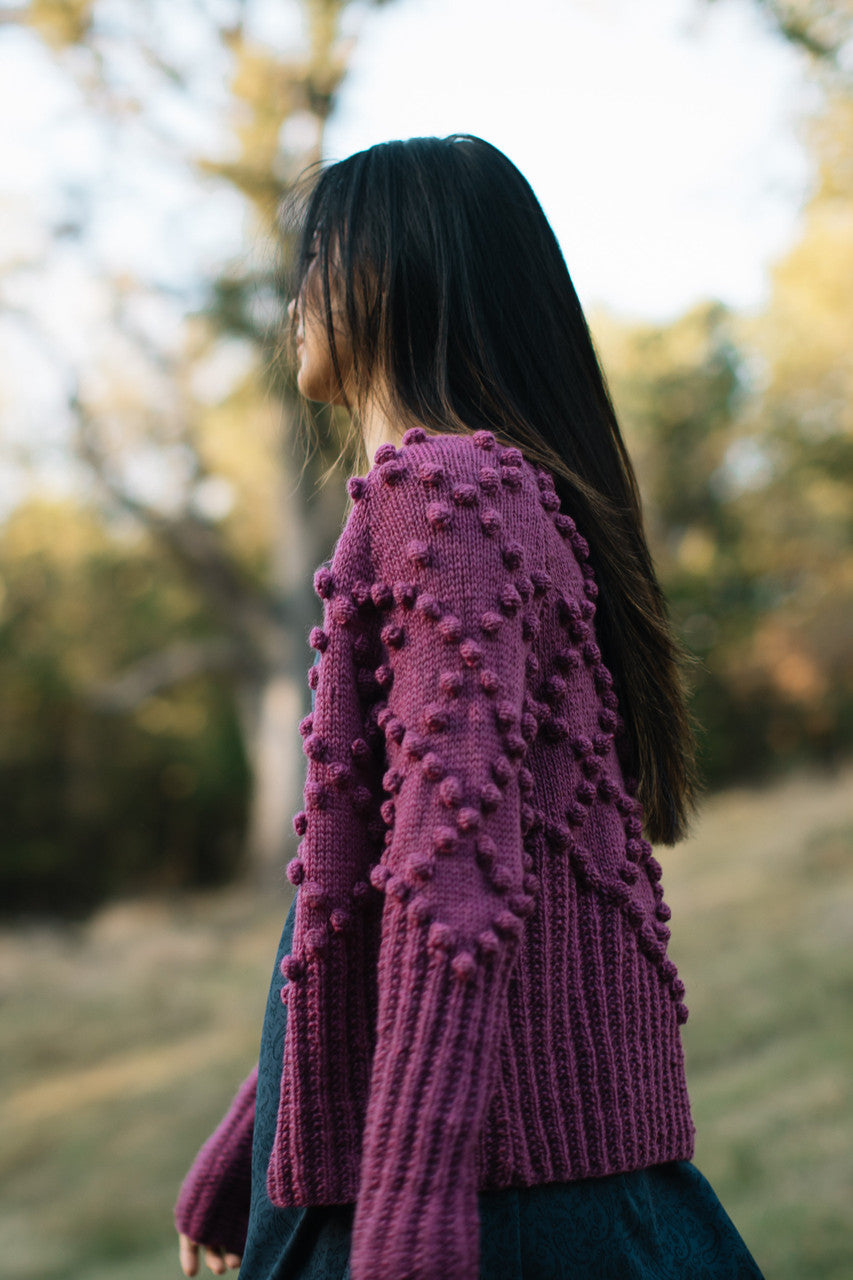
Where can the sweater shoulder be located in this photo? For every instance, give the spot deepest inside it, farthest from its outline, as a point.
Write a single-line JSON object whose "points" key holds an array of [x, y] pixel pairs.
{"points": [[438, 471]]}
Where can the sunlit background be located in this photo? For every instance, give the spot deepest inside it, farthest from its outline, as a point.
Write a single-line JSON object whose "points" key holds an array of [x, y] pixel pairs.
{"points": [[158, 531]]}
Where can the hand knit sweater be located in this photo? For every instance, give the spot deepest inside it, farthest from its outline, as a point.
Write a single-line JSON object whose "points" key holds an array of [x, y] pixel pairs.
{"points": [[479, 993]]}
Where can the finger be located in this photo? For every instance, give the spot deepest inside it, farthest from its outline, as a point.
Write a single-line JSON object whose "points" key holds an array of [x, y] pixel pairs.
{"points": [[213, 1258], [188, 1253], [233, 1261]]}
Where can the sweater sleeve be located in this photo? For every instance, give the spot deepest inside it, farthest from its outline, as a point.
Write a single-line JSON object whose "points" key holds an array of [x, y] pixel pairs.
{"points": [[453, 867], [213, 1203]]}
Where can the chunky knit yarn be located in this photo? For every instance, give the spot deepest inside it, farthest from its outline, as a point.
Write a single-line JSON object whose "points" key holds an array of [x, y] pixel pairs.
{"points": [[479, 993]]}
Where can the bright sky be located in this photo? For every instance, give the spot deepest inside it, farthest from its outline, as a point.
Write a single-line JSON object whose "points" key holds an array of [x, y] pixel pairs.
{"points": [[660, 135]]}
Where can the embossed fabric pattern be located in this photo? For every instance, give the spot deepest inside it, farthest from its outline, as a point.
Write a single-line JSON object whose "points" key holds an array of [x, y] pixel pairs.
{"points": [[479, 994]]}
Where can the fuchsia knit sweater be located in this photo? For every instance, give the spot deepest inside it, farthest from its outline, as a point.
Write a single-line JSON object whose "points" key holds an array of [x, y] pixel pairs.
{"points": [[479, 994]]}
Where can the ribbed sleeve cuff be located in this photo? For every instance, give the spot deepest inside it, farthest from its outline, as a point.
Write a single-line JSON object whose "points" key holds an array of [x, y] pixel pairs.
{"points": [[213, 1203], [438, 1032]]}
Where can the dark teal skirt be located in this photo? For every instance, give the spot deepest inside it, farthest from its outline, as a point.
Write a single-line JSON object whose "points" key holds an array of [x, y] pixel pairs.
{"points": [[663, 1223]]}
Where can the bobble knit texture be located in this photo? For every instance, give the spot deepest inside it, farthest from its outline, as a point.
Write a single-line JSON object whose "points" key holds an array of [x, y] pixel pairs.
{"points": [[479, 993]]}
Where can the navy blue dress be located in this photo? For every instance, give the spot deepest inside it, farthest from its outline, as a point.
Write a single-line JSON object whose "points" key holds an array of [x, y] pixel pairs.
{"points": [[663, 1223]]}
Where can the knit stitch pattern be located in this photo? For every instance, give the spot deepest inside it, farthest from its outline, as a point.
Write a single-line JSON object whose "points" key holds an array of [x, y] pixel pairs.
{"points": [[479, 993]]}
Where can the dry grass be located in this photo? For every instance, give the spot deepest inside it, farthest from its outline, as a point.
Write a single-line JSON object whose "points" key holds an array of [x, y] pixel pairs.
{"points": [[122, 1041]]}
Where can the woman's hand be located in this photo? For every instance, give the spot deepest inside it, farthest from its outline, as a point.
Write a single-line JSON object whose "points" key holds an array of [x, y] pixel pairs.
{"points": [[217, 1259]]}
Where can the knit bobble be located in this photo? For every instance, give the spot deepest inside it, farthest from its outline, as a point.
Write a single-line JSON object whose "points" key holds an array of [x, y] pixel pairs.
{"points": [[663, 912], [587, 609], [585, 792], [318, 639], [541, 580], [607, 721], [414, 435], [450, 683], [300, 822], [428, 607], [488, 943], [530, 626], [512, 553], [550, 501], [512, 478], [316, 940], [521, 904], [491, 622], [510, 600], [397, 888], [567, 660], [385, 453], [508, 924], [405, 593], [423, 869], [439, 515], [629, 873], [450, 793], [501, 878], [431, 474], [315, 747], [531, 664], [565, 524], [486, 852], [392, 781], [489, 480], [525, 782], [602, 743], [360, 751], [316, 795], [416, 746], [387, 811], [292, 968], [418, 553], [381, 595], [379, 875], [445, 840], [607, 789], [491, 522], [436, 718], [324, 583], [384, 676], [505, 715], [501, 771], [340, 920], [464, 966], [530, 726], [356, 486], [450, 629], [471, 653], [395, 730], [306, 724], [361, 892], [313, 677], [295, 871], [511, 458], [576, 814], [532, 884], [681, 1014], [490, 681], [468, 819], [465, 495], [421, 910], [490, 797], [484, 440], [440, 937], [590, 589], [433, 767], [393, 637]]}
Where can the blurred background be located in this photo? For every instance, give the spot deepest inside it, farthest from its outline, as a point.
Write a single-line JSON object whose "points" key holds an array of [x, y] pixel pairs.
{"points": [[159, 528]]}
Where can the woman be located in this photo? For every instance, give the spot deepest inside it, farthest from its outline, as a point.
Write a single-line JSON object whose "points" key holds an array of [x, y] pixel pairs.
{"points": [[482, 1072]]}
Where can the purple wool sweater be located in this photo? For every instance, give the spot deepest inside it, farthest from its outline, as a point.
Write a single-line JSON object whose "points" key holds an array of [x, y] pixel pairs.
{"points": [[479, 993]]}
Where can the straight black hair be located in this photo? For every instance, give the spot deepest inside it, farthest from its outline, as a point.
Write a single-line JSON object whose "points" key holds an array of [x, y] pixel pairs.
{"points": [[458, 301]]}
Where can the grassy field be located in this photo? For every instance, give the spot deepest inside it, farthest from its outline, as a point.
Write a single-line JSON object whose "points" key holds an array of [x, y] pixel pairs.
{"points": [[122, 1041]]}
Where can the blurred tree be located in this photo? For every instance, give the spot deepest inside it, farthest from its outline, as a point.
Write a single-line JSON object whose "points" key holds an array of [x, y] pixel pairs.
{"points": [[743, 433], [96, 805], [237, 507]]}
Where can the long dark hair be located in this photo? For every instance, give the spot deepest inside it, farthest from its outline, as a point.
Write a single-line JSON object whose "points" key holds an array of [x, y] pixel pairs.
{"points": [[458, 300]]}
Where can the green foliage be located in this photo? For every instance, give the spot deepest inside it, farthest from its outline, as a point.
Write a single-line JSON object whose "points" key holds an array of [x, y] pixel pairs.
{"points": [[97, 803]]}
